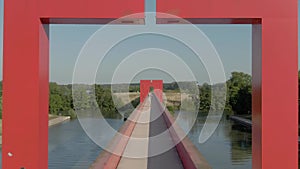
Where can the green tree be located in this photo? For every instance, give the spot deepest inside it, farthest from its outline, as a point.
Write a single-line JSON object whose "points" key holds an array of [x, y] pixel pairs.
{"points": [[239, 90], [238, 96], [205, 98], [55, 104], [60, 99], [105, 102]]}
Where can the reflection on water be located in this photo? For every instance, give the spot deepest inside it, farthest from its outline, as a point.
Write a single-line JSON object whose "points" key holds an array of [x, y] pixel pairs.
{"points": [[228, 148], [70, 148]]}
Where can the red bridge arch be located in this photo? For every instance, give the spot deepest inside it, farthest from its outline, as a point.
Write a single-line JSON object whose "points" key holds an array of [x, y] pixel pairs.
{"points": [[26, 68], [145, 88]]}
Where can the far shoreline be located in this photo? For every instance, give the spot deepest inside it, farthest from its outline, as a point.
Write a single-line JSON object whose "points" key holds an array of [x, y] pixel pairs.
{"points": [[52, 122]]}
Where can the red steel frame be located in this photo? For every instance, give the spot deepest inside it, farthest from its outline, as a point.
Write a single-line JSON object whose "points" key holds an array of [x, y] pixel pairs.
{"points": [[26, 69], [145, 88], [158, 89], [274, 66]]}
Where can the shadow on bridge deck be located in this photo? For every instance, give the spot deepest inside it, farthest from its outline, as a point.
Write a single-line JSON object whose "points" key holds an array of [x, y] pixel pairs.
{"points": [[150, 153], [170, 158]]}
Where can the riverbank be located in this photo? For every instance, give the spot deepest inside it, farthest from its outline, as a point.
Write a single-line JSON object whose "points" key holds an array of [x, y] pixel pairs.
{"points": [[53, 120], [57, 120]]}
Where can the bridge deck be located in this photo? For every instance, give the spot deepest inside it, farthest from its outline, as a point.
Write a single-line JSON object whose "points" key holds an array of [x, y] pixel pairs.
{"points": [[150, 124], [134, 148], [148, 143], [170, 158]]}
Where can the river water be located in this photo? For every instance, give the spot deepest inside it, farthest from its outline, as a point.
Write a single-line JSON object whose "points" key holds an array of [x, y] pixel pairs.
{"points": [[228, 148], [70, 148]]}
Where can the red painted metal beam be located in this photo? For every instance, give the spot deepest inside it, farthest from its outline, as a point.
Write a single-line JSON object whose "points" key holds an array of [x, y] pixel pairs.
{"points": [[26, 69], [25, 53], [89, 8], [145, 88], [25, 87], [190, 156], [175, 20], [125, 20], [158, 89], [274, 66], [228, 9], [109, 160]]}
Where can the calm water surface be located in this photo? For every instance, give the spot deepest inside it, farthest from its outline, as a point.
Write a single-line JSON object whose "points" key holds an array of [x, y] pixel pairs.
{"points": [[228, 148], [70, 148]]}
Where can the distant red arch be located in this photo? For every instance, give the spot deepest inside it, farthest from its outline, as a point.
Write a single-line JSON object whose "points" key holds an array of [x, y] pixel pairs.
{"points": [[145, 88]]}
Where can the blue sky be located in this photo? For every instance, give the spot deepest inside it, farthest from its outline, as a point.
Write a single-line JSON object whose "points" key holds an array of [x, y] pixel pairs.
{"points": [[233, 43]]}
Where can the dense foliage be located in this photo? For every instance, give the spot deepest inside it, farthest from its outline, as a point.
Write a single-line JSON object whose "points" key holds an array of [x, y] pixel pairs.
{"points": [[238, 96], [61, 102]]}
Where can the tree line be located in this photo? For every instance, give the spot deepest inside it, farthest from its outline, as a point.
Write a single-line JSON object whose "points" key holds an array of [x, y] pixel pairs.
{"points": [[238, 97], [61, 100], [237, 91]]}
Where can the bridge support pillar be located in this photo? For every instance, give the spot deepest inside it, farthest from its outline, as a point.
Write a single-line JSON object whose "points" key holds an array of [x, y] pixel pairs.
{"points": [[26, 68], [274, 66]]}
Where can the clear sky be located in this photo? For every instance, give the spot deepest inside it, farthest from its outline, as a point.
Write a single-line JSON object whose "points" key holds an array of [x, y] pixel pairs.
{"points": [[233, 43]]}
